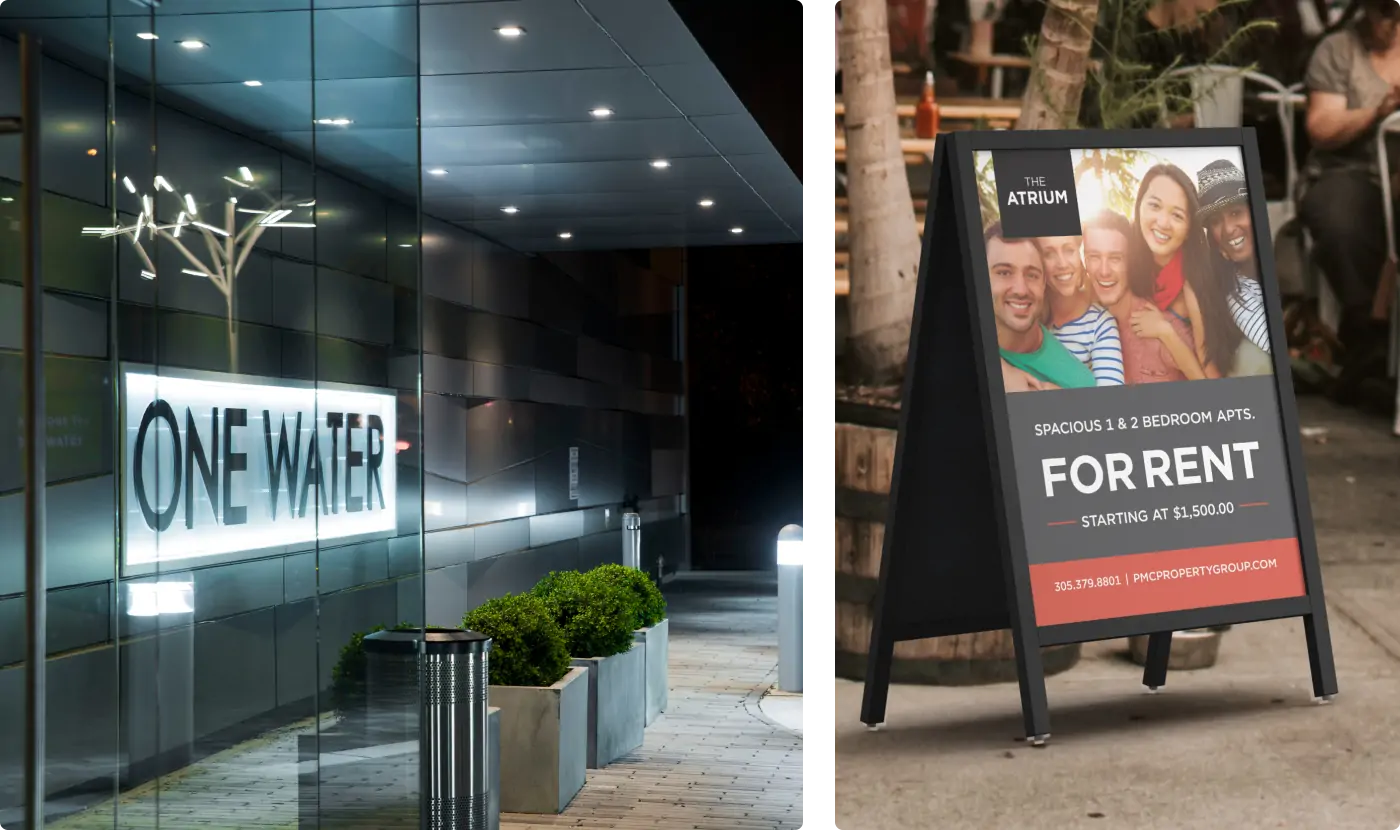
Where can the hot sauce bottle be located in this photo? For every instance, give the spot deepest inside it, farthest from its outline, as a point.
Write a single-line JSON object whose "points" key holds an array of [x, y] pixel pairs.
{"points": [[926, 113]]}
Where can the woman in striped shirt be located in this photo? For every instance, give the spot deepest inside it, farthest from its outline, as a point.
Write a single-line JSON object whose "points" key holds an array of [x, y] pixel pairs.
{"points": [[1225, 214], [1085, 329]]}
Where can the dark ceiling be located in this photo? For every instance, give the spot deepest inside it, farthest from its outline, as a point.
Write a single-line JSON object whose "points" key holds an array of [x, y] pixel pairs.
{"points": [[506, 121], [761, 59]]}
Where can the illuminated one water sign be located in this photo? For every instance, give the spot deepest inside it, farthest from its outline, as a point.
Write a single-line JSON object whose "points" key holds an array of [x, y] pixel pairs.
{"points": [[220, 464]]}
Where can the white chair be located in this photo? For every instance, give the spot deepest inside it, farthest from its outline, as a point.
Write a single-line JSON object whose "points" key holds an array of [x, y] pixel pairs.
{"points": [[1218, 93], [1390, 126], [1329, 310]]}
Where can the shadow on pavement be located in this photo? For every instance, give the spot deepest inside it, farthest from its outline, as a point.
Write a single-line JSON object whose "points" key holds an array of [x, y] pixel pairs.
{"points": [[1118, 717]]}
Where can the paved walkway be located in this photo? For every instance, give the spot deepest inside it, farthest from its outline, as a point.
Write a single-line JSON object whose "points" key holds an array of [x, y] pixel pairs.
{"points": [[713, 761], [1240, 745]]}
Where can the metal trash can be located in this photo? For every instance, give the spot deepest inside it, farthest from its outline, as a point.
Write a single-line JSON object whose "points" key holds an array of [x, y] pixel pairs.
{"points": [[450, 718]]}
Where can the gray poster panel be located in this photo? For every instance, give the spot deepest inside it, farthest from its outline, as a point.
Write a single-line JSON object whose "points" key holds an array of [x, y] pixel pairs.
{"points": [[1171, 421]]}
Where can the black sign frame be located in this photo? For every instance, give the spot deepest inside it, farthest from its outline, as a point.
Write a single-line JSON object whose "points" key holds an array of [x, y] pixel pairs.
{"points": [[957, 586]]}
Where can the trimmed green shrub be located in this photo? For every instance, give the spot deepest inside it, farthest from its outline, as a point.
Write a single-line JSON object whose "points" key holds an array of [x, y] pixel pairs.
{"points": [[348, 676], [651, 606], [596, 615], [527, 646], [552, 582]]}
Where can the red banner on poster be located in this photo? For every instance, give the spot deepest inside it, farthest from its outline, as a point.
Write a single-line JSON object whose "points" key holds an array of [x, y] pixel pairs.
{"points": [[1152, 583]]}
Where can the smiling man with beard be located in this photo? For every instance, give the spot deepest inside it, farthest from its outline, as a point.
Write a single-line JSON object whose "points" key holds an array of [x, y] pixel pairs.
{"points": [[1018, 303], [1083, 327], [1154, 344]]}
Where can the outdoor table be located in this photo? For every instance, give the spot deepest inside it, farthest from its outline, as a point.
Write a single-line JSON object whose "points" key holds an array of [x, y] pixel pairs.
{"points": [[843, 258], [917, 150], [843, 225], [962, 109], [997, 63]]}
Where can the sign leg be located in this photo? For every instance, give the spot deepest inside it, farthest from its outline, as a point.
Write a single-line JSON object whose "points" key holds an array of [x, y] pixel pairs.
{"points": [[1159, 650], [877, 680], [1324, 671], [1035, 708]]}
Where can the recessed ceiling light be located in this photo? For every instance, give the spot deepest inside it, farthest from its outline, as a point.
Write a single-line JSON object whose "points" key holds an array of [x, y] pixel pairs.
{"points": [[660, 164], [252, 83], [405, 245], [148, 35], [565, 235], [510, 209], [600, 112], [337, 122], [510, 31], [191, 44], [7, 198], [706, 203], [736, 229], [437, 171]]}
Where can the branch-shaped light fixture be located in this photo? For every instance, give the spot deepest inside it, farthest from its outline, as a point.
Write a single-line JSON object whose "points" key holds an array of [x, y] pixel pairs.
{"points": [[228, 245]]}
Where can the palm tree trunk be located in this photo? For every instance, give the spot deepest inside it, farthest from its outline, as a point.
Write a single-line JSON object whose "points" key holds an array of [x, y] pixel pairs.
{"points": [[884, 241], [1058, 66]]}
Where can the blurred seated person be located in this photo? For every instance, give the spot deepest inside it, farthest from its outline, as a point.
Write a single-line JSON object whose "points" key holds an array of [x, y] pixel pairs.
{"points": [[1353, 83]]}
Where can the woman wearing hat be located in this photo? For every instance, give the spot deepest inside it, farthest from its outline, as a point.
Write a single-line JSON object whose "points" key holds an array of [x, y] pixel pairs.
{"points": [[1225, 213]]}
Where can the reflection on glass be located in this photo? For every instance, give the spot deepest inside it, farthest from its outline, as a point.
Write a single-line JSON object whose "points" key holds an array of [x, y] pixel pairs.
{"points": [[151, 599], [215, 578]]}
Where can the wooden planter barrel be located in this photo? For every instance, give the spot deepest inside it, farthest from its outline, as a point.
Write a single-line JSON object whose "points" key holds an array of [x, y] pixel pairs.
{"points": [[866, 430]]}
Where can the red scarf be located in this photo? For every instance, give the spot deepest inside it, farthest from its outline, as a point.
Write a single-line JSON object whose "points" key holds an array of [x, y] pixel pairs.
{"points": [[1170, 281]]}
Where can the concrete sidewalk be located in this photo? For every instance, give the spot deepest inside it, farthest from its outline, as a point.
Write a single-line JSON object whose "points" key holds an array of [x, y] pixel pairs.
{"points": [[1237, 746]]}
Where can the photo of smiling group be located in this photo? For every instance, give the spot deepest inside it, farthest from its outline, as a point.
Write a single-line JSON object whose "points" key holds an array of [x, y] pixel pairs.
{"points": [[1161, 285]]}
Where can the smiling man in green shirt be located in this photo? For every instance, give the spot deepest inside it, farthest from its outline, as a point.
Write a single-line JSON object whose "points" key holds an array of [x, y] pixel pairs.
{"points": [[1018, 303]]}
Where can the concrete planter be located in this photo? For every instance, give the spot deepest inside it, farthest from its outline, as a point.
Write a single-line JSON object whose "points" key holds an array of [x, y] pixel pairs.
{"points": [[493, 756], [657, 644], [616, 704], [544, 743]]}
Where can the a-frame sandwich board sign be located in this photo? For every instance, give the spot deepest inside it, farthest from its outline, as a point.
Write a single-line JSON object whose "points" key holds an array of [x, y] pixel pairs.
{"points": [[1098, 436]]}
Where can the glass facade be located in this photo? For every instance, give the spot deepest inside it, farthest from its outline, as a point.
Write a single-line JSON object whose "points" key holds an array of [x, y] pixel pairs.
{"points": [[297, 391]]}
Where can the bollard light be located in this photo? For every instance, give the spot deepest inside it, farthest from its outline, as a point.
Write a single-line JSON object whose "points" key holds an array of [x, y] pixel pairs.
{"points": [[790, 550], [790, 563], [632, 540]]}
